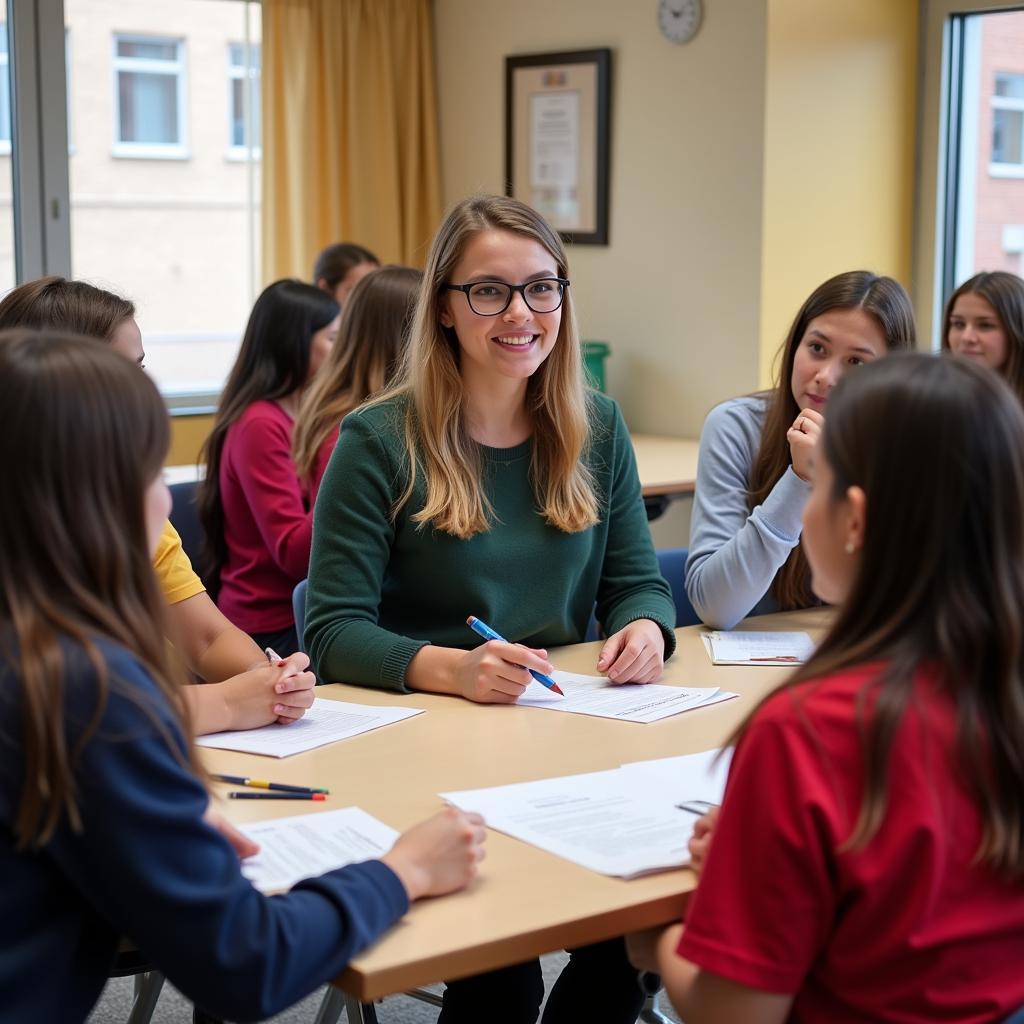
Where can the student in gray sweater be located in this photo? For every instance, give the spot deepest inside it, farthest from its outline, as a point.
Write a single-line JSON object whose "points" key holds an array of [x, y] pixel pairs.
{"points": [[745, 555]]}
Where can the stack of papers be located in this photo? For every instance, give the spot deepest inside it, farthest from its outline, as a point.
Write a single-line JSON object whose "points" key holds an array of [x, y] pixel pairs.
{"points": [[626, 702], [739, 648], [625, 822], [307, 845], [325, 722]]}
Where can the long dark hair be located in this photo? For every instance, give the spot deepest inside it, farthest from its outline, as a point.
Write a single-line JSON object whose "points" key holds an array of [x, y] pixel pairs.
{"points": [[57, 304], [1004, 292], [937, 445], [887, 301], [273, 362], [85, 434], [371, 340]]}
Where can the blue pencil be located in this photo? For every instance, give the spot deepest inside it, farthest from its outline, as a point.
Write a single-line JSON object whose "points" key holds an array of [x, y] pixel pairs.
{"points": [[481, 627]]}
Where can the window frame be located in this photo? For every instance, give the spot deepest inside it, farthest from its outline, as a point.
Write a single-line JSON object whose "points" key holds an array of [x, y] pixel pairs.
{"points": [[1014, 104], [146, 65]]}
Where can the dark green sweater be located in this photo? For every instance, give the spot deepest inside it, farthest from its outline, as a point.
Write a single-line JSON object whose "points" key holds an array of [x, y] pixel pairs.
{"points": [[380, 590]]}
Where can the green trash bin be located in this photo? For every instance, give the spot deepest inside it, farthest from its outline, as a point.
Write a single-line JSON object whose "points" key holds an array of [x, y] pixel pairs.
{"points": [[594, 355]]}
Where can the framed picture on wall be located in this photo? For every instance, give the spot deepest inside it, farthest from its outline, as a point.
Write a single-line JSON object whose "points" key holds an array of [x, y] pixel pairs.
{"points": [[557, 117]]}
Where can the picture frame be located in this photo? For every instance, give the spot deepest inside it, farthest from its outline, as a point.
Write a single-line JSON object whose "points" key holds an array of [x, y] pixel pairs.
{"points": [[557, 139]]}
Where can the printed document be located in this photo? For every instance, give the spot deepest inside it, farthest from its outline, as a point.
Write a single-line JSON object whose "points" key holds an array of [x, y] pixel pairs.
{"points": [[736, 647], [325, 722], [686, 779], [604, 821], [627, 702], [307, 845]]}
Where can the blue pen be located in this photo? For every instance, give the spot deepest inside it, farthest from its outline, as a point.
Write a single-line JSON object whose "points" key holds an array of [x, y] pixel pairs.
{"points": [[481, 627]]}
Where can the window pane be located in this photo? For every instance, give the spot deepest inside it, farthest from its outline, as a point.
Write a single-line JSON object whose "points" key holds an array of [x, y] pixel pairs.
{"points": [[1010, 85], [179, 237], [149, 107], [989, 216], [1006, 125], [147, 49]]}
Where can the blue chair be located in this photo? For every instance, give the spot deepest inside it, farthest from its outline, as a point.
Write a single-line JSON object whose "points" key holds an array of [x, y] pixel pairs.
{"points": [[185, 519], [1017, 1017], [299, 609], [672, 563]]}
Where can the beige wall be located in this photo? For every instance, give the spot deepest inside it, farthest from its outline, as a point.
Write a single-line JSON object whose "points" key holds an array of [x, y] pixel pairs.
{"points": [[840, 108], [676, 291], [774, 149]]}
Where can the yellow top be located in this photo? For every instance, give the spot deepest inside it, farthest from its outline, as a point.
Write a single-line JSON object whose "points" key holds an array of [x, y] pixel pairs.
{"points": [[173, 569]]}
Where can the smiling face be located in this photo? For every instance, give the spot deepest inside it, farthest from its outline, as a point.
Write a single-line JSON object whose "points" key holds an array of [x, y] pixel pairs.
{"points": [[975, 331], [515, 343], [832, 343]]}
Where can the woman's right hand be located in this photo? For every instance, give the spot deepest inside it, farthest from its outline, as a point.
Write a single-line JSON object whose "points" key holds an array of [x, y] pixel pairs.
{"points": [[802, 438], [497, 672], [439, 855], [700, 841]]}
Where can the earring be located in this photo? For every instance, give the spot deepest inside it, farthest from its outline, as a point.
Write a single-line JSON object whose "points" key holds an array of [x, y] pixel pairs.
{"points": [[849, 547]]}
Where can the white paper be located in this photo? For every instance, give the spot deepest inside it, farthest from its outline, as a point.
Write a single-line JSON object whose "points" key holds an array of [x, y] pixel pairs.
{"points": [[604, 821], [740, 648], [683, 779], [325, 722], [626, 702], [307, 845]]}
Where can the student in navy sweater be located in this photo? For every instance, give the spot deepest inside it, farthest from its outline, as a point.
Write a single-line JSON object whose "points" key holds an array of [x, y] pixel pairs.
{"points": [[257, 522], [105, 828]]}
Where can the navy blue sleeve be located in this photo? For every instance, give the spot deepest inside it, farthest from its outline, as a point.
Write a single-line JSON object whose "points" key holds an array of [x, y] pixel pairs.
{"points": [[149, 864]]}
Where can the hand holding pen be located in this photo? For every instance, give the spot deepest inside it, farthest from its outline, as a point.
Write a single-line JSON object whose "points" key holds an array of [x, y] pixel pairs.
{"points": [[499, 672]]}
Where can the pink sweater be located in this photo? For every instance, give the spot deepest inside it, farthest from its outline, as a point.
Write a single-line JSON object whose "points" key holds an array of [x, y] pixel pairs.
{"points": [[267, 521]]}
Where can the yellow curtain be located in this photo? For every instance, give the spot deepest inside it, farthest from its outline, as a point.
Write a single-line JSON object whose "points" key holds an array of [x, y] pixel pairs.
{"points": [[350, 149]]}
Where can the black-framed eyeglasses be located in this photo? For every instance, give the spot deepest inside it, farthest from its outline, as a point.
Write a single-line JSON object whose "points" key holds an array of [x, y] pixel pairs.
{"points": [[489, 298]]}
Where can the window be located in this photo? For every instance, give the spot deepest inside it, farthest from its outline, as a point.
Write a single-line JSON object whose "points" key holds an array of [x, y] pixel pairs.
{"points": [[149, 102], [1007, 124], [243, 100]]}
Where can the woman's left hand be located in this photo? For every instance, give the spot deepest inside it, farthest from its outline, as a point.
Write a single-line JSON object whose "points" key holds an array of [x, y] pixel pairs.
{"points": [[635, 654]]}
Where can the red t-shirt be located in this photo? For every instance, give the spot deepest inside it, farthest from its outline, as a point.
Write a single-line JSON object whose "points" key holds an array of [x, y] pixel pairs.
{"points": [[906, 929], [267, 522]]}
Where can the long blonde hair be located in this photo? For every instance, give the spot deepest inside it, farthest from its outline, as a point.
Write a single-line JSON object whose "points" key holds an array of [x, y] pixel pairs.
{"points": [[437, 440], [372, 337]]}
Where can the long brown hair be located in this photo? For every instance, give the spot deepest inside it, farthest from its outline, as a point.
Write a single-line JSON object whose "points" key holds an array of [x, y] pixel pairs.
{"points": [[371, 339], [57, 304], [1004, 292], [272, 362], [437, 440], [937, 445], [85, 433], [887, 301]]}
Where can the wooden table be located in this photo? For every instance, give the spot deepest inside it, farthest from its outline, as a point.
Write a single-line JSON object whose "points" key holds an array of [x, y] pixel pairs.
{"points": [[667, 465], [526, 901]]}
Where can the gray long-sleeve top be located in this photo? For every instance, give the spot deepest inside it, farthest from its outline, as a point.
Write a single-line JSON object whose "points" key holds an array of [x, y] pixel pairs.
{"points": [[734, 552]]}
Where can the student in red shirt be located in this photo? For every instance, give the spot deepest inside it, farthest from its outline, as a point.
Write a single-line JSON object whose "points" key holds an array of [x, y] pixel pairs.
{"points": [[868, 860], [257, 522]]}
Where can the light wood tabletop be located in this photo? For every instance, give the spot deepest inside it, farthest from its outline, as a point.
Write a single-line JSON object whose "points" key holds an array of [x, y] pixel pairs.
{"points": [[666, 465], [525, 901]]}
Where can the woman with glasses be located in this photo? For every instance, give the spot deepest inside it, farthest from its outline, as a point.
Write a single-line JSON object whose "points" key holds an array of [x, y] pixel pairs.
{"points": [[489, 481]]}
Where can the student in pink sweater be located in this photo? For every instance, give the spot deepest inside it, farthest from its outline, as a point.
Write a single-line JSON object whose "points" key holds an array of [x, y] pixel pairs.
{"points": [[256, 519]]}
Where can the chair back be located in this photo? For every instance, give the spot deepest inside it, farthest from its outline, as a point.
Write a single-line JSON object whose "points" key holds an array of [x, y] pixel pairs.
{"points": [[185, 519], [672, 563], [299, 609]]}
